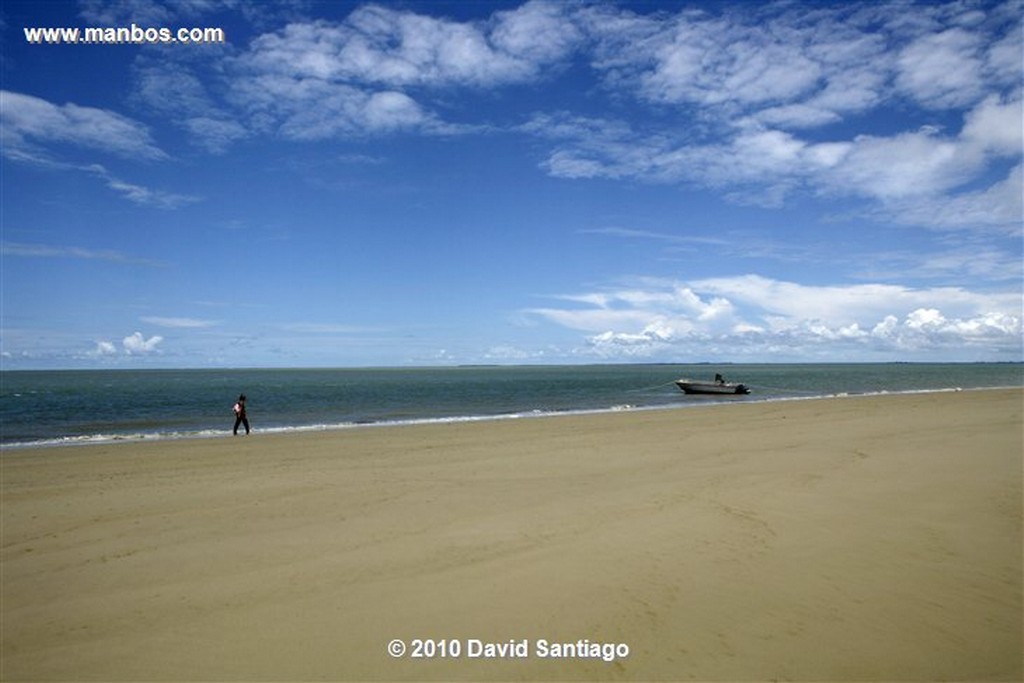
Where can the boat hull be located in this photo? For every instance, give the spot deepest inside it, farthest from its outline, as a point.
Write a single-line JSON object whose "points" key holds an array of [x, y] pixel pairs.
{"points": [[727, 388]]}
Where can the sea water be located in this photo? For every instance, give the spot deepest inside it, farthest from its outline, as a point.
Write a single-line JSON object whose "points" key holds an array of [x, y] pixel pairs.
{"points": [[66, 407]]}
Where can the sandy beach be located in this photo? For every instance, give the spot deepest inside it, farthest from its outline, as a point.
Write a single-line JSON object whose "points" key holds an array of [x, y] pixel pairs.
{"points": [[847, 539]]}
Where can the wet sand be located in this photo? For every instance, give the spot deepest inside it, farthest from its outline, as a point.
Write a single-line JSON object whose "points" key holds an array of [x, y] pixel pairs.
{"points": [[847, 539]]}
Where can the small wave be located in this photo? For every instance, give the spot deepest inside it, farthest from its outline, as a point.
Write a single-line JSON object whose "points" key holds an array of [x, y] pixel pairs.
{"points": [[96, 439]]}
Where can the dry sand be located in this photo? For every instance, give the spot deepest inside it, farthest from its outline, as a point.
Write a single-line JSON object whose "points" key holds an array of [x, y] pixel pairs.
{"points": [[852, 539]]}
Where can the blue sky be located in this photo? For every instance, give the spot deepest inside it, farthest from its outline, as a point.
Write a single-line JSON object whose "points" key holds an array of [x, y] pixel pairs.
{"points": [[424, 183]]}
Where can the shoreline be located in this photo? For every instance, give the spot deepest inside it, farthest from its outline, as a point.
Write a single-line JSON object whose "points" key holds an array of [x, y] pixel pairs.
{"points": [[695, 402], [872, 538]]}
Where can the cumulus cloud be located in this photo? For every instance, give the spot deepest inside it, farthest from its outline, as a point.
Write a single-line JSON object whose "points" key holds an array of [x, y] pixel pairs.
{"points": [[926, 329], [761, 317], [136, 344], [103, 348]]}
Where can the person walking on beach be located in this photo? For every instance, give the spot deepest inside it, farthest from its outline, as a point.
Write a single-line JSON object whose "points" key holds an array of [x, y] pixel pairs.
{"points": [[240, 416]]}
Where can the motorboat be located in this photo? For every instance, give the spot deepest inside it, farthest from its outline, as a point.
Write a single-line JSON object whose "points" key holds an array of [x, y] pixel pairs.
{"points": [[719, 386]]}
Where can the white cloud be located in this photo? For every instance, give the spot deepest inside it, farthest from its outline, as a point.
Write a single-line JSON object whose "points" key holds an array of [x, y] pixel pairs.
{"points": [[136, 344], [104, 348], [396, 48], [147, 196], [538, 32], [747, 82], [29, 122], [915, 163], [928, 328], [1002, 61], [756, 317], [959, 261], [998, 207], [803, 70], [320, 79], [838, 305], [995, 126], [926, 163], [942, 69], [311, 109], [138, 194], [215, 134], [32, 129], [808, 67], [390, 110], [759, 66], [903, 173], [506, 353], [915, 176], [171, 87], [49, 251]]}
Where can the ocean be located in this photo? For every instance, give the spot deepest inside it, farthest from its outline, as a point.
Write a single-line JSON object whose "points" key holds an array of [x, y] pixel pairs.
{"points": [[68, 407]]}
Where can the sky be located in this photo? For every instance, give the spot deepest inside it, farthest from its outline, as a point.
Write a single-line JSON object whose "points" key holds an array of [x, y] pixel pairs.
{"points": [[440, 183]]}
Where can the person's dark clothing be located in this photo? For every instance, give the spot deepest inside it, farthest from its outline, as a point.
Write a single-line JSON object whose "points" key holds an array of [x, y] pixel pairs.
{"points": [[240, 416]]}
